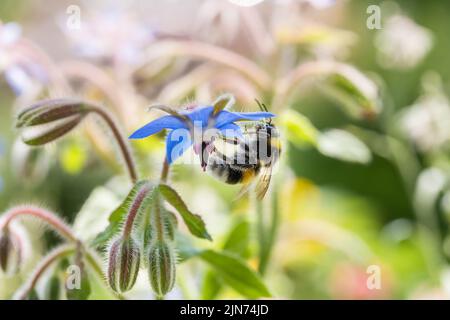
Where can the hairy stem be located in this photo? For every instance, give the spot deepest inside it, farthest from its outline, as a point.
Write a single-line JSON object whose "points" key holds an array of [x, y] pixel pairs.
{"points": [[221, 56], [261, 238], [52, 257], [157, 219], [46, 262], [267, 235], [97, 77], [123, 145], [62, 229], [46, 216], [158, 227], [285, 86], [134, 209], [274, 224], [165, 170], [158, 214]]}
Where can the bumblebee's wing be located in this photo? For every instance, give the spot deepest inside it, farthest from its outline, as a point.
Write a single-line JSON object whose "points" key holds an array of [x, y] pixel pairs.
{"points": [[263, 183], [244, 190]]}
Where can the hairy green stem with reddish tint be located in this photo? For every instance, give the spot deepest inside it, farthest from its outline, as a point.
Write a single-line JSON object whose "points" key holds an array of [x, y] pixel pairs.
{"points": [[165, 170], [47, 261], [134, 210], [58, 226], [46, 216], [123, 146], [52, 257]]}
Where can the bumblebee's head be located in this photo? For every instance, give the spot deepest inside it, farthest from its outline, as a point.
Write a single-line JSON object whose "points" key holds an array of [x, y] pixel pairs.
{"points": [[267, 125], [272, 130], [267, 128]]}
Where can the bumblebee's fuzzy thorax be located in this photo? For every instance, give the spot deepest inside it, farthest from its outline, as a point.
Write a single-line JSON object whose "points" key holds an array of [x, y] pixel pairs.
{"points": [[253, 156]]}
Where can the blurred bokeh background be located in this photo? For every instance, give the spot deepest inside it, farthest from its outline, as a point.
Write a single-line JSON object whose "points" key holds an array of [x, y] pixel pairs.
{"points": [[364, 114]]}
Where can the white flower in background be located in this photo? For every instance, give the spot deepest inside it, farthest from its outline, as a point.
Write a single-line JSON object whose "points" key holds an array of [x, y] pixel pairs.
{"points": [[402, 44], [427, 122], [227, 24], [246, 3], [110, 36], [222, 20], [320, 4], [10, 33], [235, 25], [316, 4], [16, 63], [295, 22]]}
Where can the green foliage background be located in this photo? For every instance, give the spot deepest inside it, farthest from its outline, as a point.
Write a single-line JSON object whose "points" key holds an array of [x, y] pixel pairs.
{"points": [[336, 217]]}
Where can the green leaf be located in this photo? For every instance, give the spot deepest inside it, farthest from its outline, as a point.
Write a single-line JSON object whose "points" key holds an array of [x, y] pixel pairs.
{"points": [[33, 295], [193, 221], [343, 145], [352, 88], [53, 288], [238, 239], [357, 93], [236, 274], [211, 285], [118, 215], [237, 243], [300, 131], [185, 249]]}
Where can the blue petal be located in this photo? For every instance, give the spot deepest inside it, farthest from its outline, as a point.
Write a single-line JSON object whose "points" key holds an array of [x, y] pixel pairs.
{"points": [[200, 115], [166, 122], [231, 130], [177, 142], [225, 117]]}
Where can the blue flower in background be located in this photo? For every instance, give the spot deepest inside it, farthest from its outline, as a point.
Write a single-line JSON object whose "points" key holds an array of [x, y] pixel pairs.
{"points": [[184, 126]]}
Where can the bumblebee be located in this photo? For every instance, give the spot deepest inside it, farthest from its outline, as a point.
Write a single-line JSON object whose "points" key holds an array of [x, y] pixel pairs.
{"points": [[252, 157]]}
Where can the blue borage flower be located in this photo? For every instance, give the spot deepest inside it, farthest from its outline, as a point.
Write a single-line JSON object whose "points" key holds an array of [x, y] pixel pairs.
{"points": [[185, 126]]}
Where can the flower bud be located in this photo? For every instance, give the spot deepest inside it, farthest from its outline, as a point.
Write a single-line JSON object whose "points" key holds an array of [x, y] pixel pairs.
{"points": [[47, 111], [161, 269], [170, 224], [123, 264], [10, 252], [48, 120]]}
